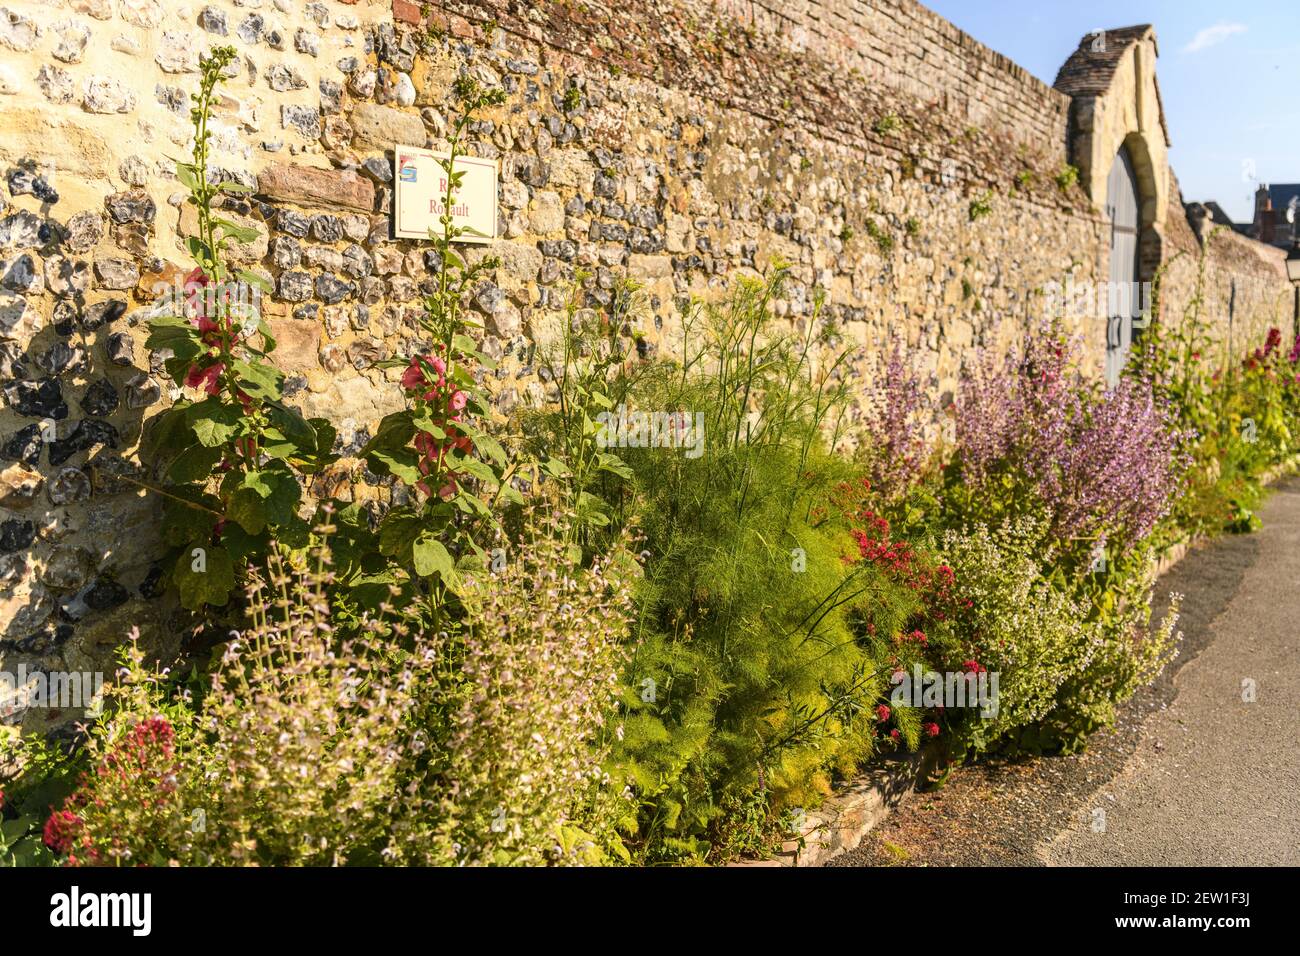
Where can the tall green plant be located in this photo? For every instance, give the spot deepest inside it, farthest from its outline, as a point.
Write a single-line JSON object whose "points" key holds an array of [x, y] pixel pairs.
{"points": [[589, 365], [459, 473], [232, 457]]}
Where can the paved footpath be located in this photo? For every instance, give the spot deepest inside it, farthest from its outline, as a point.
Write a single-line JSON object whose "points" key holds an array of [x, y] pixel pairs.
{"points": [[1192, 774]]}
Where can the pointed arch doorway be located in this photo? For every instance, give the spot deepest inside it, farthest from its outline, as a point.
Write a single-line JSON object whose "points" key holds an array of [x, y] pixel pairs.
{"points": [[1123, 301]]}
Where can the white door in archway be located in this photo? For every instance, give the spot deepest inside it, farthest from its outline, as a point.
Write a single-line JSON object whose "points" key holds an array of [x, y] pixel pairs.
{"points": [[1123, 300]]}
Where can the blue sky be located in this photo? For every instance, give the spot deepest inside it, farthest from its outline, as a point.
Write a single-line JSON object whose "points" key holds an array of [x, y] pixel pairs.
{"points": [[1229, 76]]}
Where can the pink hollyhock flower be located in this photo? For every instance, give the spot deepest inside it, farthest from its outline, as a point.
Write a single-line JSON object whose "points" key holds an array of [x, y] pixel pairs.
{"points": [[206, 328], [413, 376], [458, 400], [195, 283], [205, 378], [1273, 340], [416, 376]]}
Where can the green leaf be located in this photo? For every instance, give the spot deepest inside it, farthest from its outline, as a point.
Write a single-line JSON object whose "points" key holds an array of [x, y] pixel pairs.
{"points": [[193, 464], [214, 422], [248, 508], [403, 465], [472, 466], [253, 279], [211, 585], [166, 434], [282, 503], [397, 533], [174, 333], [233, 230], [259, 380], [185, 173], [431, 557], [395, 431], [183, 523], [198, 250], [292, 425]]}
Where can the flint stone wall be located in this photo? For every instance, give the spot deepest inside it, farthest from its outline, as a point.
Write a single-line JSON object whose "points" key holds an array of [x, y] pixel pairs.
{"points": [[891, 159]]}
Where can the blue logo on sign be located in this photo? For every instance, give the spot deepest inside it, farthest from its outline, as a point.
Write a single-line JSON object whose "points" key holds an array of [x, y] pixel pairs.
{"points": [[407, 174]]}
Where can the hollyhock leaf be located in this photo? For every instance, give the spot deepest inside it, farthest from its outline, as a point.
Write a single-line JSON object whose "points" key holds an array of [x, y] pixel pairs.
{"points": [[248, 508], [255, 280], [258, 380], [231, 230], [323, 452], [292, 426], [166, 434], [174, 333], [395, 431], [184, 523], [282, 503], [476, 468], [398, 531], [400, 464], [241, 544], [193, 464], [213, 422], [431, 557], [185, 173], [198, 250], [212, 585]]}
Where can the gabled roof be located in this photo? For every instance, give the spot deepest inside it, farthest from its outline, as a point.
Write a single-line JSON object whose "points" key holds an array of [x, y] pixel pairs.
{"points": [[1091, 68]]}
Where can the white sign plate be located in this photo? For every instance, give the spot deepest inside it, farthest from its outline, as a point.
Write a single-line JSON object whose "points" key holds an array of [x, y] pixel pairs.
{"points": [[421, 187]]}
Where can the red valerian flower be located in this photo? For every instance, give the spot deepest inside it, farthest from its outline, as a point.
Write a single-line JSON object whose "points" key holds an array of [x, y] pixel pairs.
{"points": [[931, 729], [894, 733], [973, 666], [61, 830], [882, 713]]}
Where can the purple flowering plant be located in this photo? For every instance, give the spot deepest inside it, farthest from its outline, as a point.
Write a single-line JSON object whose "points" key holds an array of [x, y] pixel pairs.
{"points": [[1033, 434]]}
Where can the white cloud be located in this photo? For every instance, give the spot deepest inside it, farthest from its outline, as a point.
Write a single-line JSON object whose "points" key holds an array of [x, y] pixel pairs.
{"points": [[1212, 36]]}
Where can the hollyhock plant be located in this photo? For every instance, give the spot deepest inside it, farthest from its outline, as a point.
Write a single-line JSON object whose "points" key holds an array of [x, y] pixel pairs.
{"points": [[231, 447], [425, 381]]}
